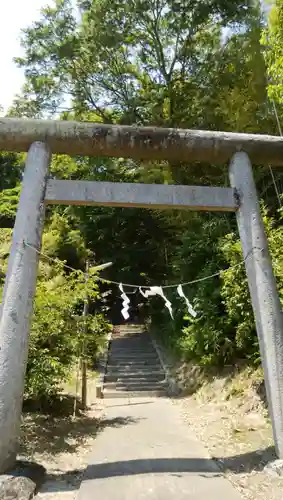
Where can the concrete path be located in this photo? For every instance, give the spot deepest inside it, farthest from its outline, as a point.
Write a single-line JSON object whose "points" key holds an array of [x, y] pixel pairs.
{"points": [[146, 451]]}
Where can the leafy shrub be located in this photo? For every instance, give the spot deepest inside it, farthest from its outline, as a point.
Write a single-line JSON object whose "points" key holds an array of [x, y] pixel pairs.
{"points": [[224, 329], [57, 327]]}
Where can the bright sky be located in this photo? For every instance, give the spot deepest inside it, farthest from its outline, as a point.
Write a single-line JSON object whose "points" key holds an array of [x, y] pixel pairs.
{"points": [[14, 15]]}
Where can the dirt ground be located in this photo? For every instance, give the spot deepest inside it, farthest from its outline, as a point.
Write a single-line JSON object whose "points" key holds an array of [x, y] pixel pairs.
{"points": [[227, 413], [61, 444], [230, 417]]}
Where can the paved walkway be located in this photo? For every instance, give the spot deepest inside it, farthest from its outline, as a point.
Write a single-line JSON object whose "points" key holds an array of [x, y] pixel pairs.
{"points": [[146, 451]]}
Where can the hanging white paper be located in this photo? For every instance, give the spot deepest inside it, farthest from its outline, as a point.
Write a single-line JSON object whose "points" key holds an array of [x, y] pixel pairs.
{"points": [[157, 290], [126, 302], [191, 310], [148, 293]]}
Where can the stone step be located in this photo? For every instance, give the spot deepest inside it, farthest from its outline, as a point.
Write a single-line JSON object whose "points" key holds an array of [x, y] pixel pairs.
{"points": [[131, 348], [136, 370], [114, 377], [135, 386], [127, 351], [132, 331], [123, 328], [132, 357], [133, 326], [133, 368], [157, 371], [134, 376], [133, 362], [132, 334], [133, 394], [141, 385], [131, 338], [127, 369], [131, 342], [131, 371], [135, 349]]}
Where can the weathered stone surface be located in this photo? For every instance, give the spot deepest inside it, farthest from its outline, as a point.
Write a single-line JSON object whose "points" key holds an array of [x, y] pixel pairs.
{"points": [[22, 481], [274, 468], [21, 488], [127, 194], [17, 299], [96, 139]]}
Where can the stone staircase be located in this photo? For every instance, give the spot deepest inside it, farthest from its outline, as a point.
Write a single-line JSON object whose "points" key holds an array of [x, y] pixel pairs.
{"points": [[133, 367]]}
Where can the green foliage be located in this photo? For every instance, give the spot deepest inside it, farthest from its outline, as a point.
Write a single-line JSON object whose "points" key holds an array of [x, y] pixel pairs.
{"points": [[9, 199], [95, 337], [272, 38], [188, 64], [64, 241], [235, 294], [147, 62], [11, 170], [10, 178], [58, 330], [224, 328]]}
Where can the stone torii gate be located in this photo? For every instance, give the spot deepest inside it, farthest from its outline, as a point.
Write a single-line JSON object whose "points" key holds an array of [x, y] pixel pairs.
{"points": [[41, 138]]}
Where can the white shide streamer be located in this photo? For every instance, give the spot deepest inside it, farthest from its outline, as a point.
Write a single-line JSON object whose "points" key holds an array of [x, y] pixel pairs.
{"points": [[126, 302], [157, 290], [191, 310]]}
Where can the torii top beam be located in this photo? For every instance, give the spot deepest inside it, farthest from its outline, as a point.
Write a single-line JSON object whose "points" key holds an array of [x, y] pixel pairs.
{"points": [[151, 143]]}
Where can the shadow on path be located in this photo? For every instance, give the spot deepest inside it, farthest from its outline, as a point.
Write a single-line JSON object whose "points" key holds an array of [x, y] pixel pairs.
{"points": [[245, 463], [60, 432], [207, 468]]}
